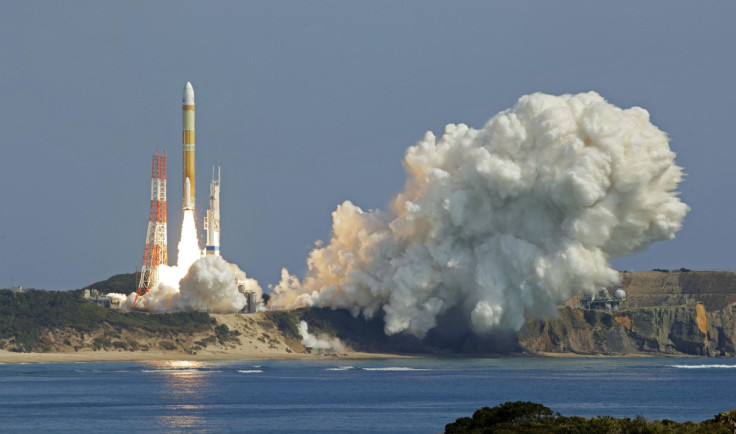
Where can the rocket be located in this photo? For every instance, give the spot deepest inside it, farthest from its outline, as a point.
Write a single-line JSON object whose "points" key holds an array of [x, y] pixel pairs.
{"points": [[212, 219], [187, 120]]}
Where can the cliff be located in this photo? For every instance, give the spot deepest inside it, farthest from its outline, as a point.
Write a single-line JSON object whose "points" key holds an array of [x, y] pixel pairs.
{"points": [[673, 330], [670, 313], [664, 330], [665, 312]]}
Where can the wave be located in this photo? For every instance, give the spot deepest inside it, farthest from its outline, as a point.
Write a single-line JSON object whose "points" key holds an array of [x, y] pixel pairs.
{"points": [[395, 368], [341, 368], [250, 371], [702, 366]]}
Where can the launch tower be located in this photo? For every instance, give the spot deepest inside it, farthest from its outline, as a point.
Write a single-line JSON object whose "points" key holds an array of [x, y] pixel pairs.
{"points": [[156, 252]]}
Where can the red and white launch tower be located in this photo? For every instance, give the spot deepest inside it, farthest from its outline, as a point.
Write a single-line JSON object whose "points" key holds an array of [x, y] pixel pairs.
{"points": [[156, 252]]}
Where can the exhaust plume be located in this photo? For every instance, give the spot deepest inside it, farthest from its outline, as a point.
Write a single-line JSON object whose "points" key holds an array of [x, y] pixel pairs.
{"points": [[196, 283], [188, 243], [500, 224], [210, 285]]}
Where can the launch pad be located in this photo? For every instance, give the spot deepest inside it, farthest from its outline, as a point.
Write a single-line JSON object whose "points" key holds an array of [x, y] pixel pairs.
{"points": [[156, 249]]}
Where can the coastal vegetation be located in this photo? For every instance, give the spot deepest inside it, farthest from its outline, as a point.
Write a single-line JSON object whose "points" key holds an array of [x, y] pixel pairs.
{"points": [[27, 318], [32, 321], [119, 283], [530, 417], [674, 313]]}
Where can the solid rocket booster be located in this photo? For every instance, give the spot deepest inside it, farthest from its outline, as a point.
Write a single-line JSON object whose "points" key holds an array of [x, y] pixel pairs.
{"points": [[187, 120], [212, 219]]}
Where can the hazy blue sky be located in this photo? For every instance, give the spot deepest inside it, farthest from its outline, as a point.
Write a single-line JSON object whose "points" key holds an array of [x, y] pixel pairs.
{"points": [[307, 104]]}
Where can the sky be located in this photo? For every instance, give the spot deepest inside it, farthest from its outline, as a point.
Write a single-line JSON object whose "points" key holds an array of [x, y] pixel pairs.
{"points": [[304, 105]]}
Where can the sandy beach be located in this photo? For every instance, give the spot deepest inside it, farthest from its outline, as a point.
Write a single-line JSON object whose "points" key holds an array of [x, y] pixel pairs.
{"points": [[135, 356], [256, 339], [250, 354]]}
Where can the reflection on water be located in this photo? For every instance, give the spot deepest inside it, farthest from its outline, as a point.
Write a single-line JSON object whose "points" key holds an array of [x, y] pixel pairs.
{"points": [[182, 422], [182, 392]]}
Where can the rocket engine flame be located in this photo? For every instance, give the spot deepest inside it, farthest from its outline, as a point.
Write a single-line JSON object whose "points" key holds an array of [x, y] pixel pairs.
{"points": [[499, 224], [188, 244]]}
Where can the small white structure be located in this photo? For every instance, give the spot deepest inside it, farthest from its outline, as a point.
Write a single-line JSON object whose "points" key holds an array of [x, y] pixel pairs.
{"points": [[602, 300], [94, 296]]}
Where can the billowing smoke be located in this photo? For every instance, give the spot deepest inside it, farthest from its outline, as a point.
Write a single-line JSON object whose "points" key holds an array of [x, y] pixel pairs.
{"points": [[209, 286], [500, 224], [320, 342], [196, 283]]}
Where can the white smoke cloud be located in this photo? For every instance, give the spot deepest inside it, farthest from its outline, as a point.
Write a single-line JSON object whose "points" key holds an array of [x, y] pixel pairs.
{"points": [[501, 223], [196, 283], [210, 285], [319, 342]]}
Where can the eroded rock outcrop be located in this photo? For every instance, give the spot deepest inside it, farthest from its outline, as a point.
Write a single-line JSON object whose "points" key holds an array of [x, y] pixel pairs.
{"points": [[687, 329]]}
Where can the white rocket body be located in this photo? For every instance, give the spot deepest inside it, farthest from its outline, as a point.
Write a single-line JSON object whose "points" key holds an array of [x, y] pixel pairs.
{"points": [[212, 219]]}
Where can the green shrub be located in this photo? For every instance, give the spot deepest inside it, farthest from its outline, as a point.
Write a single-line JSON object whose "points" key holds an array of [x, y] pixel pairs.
{"points": [[286, 322], [607, 319], [206, 341], [101, 342], [167, 345], [224, 334], [529, 417]]}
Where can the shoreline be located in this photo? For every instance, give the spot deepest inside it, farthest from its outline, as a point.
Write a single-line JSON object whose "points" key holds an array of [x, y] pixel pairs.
{"points": [[9, 357]]}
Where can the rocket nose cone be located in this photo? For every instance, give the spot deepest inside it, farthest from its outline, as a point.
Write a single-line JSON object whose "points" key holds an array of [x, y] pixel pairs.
{"points": [[188, 94]]}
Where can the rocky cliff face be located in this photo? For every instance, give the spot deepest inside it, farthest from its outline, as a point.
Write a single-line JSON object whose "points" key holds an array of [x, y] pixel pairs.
{"points": [[686, 329], [664, 330]]}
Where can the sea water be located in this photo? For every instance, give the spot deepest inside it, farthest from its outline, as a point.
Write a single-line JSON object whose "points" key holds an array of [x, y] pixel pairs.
{"points": [[337, 395]]}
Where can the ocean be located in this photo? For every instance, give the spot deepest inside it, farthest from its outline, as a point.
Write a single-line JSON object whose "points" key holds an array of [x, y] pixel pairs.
{"points": [[334, 395]]}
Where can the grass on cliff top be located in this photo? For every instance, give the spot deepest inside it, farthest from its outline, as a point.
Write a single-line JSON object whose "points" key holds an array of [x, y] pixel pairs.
{"points": [[27, 316], [119, 283]]}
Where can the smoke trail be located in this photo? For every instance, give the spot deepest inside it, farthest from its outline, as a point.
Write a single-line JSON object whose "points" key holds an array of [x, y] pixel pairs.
{"points": [[321, 342], [500, 224]]}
